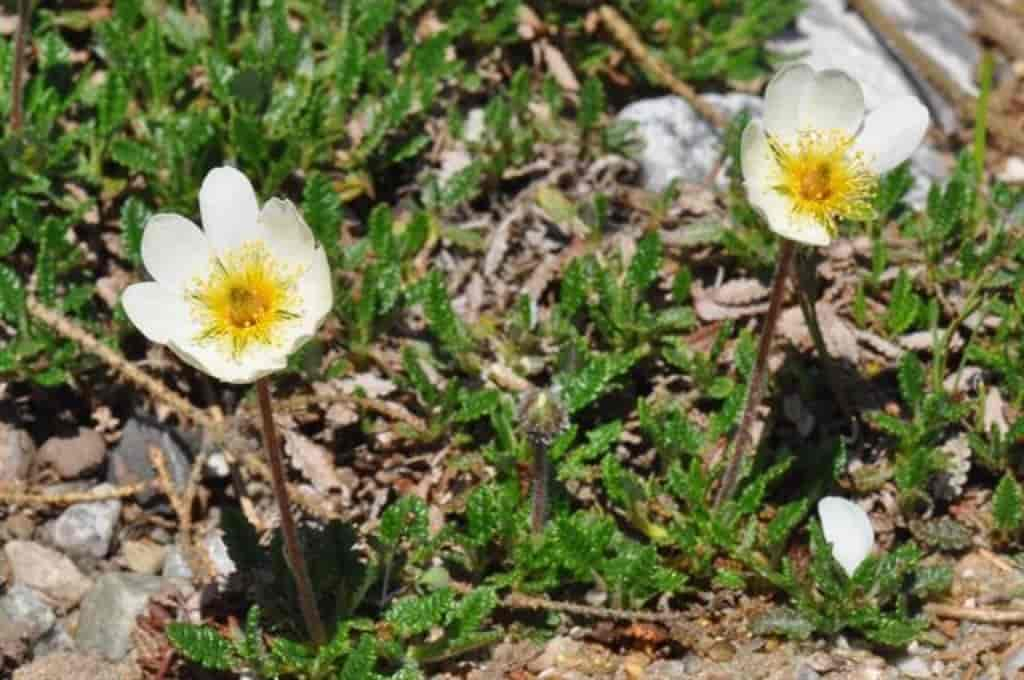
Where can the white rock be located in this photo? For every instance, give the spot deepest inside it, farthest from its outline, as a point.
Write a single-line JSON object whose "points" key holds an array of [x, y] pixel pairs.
{"points": [[52, 575], [87, 529], [677, 142]]}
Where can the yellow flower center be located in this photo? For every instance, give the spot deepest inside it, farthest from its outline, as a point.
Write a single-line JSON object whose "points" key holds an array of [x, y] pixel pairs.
{"points": [[824, 178], [246, 300]]}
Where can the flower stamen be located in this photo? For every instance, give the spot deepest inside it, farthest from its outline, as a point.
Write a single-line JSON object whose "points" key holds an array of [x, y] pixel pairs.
{"points": [[245, 301], [823, 178]]}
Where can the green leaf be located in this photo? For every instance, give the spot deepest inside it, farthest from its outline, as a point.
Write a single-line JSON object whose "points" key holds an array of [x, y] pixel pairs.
{"points": [[201, 644], [1006, 504], [597, 376], [445, 324], [911, 378], [12, 294], [321, 207], [359, 665], [134, 214], [426, 390], [573, 291], [416, 615], [785, 520], [476, 404], [592, 104], [134, 156], [904, 307], [933, 581], [643, 270]]}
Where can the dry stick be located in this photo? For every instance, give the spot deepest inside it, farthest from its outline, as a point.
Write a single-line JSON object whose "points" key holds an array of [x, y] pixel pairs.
{"points": [[297, 561], [19, 498], [1004, 127], [66, 328], [947, 611], [755, 390], [628, 38], [17, 81], [516, 600]]}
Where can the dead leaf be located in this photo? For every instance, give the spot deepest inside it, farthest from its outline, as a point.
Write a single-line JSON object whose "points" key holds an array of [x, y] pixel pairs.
{"points": [[559, 67], [731, 300], [995, 412], [313, 461]]}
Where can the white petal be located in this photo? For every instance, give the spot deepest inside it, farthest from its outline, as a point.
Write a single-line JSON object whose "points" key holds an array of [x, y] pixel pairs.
{"points": [[892, 132], [755, 156], [229, 209], [833, 101], [316, 292], [210, 358], [777, 212], [174, 250], [157, 312], [847, 527], [289, 238], [782, 99]]}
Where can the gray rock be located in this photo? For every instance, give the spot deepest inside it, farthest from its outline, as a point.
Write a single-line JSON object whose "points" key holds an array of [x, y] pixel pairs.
{"points": [[913, 666], [75, 456], [217, 551], [130, 463], [52, 575], [87, 528], [57, 639], [829, 35], [16, 453], [175, 565], [74, 666], [671, 669], [805, 672], [677, 142], [22, 607], [107, 616]]}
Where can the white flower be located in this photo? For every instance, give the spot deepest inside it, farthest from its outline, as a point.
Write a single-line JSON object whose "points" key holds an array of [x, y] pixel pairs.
{"points": [[848, 529], [236, 299], [816, 157]]}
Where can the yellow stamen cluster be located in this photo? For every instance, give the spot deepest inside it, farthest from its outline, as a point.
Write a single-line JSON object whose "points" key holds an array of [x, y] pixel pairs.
{"points": [[246, 300], [823, 178]]}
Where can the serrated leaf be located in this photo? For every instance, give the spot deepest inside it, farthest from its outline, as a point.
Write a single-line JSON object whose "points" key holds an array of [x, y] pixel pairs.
{"points": [[445, 324], [201, 644], [785, 520], [359, 664], [592, 103], [416, 615], [912, 379], [12, 294], [134, 214], [474, 405], [597, 376], [321, 207], [904, 307], [643, 270], [133, 155], [1006, 504], [573, 291]]}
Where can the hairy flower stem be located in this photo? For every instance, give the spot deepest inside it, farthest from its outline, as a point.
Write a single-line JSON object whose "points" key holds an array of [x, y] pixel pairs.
{"points": [[17, 80], [755, 389], [541, 482], [293, 552]]}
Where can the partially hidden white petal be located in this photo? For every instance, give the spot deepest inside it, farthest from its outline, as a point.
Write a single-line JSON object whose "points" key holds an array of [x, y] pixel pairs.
{"points": [[289, 238], [174, 250], [847, 527], [833, 101], [157, 312], [892, 132], [782, 99], [214, 361], [756, 156], [316, 292], [777, 212], [230, 211]]}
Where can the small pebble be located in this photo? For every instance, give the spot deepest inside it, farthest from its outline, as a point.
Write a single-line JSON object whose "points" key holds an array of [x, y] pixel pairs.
{"points": [[76, 456], [52, 575], [722, 651], [87, 529]]}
